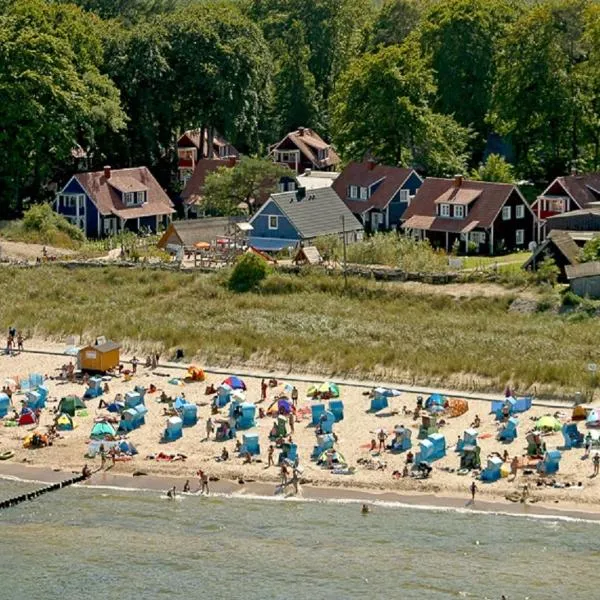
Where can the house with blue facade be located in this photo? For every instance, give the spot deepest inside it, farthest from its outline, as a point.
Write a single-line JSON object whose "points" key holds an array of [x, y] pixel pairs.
{"points": [[377, 194], [113, 200], [290, 219]]}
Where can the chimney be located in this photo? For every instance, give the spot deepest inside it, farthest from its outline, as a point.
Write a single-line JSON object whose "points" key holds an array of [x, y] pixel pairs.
{"points": [[231, 161], [371, 163], [300, 193], [307, 172], [107, 172], [458, 179], [300, 131]]}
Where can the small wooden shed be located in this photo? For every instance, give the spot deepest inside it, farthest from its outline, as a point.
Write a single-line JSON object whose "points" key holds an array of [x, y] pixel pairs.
{"points": [[99, 357], [585, 279], [308, 255]]}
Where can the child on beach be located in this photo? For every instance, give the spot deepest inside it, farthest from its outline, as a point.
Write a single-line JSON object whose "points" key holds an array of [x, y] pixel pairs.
{"points": [[270, 456], [596, 461], [203, 482]]}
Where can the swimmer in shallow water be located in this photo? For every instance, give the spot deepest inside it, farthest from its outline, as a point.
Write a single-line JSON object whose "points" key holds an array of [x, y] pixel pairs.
{"points": [[365, 510], [172, 493]]}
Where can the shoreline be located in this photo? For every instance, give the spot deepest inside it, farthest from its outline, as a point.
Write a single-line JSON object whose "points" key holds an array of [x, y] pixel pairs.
{"points": [[308, 493]]}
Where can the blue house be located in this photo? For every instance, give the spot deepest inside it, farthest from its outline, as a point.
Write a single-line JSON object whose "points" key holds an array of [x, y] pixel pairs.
{"points": [[290, 218], [377, 194], [110, 201]]}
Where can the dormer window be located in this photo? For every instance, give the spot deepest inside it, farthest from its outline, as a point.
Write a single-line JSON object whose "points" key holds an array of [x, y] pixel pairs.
{"points": [[323, 153], [353, 192], [459, 211], [134, 198], [444, 210], [364, 193]]}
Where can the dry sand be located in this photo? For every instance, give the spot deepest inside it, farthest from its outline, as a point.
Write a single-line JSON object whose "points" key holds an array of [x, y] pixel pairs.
{"points": [[354, 432]]}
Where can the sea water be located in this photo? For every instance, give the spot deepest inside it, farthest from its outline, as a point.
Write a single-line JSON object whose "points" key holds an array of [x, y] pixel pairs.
{"points": [[109, 544]]}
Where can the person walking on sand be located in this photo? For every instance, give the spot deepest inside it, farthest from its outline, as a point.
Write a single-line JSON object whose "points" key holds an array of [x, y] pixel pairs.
{"points": [[203, 482], [295, 479], [381, 436], [134, 364], [588, 445], [596, 461], [294, 396], [284, 474], [20, 342], [473, 491], [514, 467], [291, 421]]}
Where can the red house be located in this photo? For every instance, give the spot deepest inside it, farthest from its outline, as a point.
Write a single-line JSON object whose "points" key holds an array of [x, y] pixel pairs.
{"points": [[305, 149], [565, 194], [193, 147], [493, 216]]}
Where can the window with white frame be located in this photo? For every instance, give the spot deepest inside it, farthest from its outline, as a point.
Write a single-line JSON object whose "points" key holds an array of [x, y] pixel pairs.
{"points": [[520, 237], [459, 211], [281, 186], [364, 193], [273, 222], [405, 196], [506, 213], [444, 210], [323, 153], [353, 192], [71, 200], [520, 211]]}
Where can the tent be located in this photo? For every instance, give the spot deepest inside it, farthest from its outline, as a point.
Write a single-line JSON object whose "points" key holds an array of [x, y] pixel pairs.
{"points": [[579, 413], [70, 404], [593, 418], [102, 430], [64, 423], [435, 400], [329, 389], [195, 373], [235, 383], [548, 423], [27, 417]]}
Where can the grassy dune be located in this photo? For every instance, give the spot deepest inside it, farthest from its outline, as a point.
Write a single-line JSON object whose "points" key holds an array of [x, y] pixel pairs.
{"points": [[306, 322]]}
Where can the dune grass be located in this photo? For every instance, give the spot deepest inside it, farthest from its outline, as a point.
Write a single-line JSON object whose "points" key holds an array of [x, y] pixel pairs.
{"points": [[307, 322]]}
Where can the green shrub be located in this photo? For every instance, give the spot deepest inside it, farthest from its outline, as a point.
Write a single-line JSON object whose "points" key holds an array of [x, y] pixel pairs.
{"points": [[249, 271], [570, 298]]}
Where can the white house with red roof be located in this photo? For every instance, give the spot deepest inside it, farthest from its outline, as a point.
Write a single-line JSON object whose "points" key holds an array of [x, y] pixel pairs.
{"points": [[113, 200]]}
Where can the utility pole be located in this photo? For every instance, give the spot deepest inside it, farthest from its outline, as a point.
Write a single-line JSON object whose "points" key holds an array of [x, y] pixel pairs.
{"points": [[344, 243]]}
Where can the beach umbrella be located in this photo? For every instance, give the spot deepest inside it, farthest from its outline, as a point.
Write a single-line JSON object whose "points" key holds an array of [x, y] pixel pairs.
{"points": [[284, 406], [11, 384], [202, 245], [235, 383], [548, 422]]}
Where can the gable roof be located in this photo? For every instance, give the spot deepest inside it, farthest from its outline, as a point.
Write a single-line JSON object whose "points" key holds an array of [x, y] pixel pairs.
{"points": [[363, 174], [105, 193], [562, 242], [318, 213], [583, 189], [309, 142], [192, 192], [589, 269], [491, 197], [195, 230]]}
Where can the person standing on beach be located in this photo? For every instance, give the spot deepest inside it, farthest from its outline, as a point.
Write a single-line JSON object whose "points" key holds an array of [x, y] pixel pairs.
{"points": [[102, 456], [270, 456], [20, 342], [203, 482], [209, 428], [588, 445], [284, 474], [596, 461], [134, 364], [295, 479], [263, 390], [294, 396], [473, 491]]}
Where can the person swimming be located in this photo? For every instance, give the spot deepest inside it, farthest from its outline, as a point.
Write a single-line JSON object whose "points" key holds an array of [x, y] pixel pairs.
{"points": [[172, 493], [365, 509]]}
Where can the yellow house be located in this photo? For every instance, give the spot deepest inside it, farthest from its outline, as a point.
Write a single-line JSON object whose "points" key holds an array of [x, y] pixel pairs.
{"points": [[100, 357]]}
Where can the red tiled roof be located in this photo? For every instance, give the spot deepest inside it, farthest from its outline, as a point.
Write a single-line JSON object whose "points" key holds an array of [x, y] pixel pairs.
{"points": [[309, 142], [361, 175], [483, 211], [104, 192], [582, 188]]}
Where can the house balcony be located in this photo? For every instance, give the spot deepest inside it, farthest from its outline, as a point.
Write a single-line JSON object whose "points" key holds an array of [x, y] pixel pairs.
{"points": [[548, 206]]}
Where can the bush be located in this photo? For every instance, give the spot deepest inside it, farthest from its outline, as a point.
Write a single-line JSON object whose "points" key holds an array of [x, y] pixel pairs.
{"points": [[547, 272], [250, 269]]}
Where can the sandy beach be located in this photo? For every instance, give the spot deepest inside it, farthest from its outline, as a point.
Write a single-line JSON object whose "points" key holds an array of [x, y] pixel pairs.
{"points": [[443, 488]]}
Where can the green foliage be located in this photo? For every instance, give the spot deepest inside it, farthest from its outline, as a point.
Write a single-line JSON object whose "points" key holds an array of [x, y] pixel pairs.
{"points": [[395, 21], [388, 249], [227, 188], [495, 169], [591, 250], [459, 37], [547, 271], [382, 106], [41, 225], [247, 274]]}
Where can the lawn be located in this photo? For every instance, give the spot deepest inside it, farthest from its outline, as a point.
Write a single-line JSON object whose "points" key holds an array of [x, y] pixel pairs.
{"points": [[485, 262], [307, 322]]}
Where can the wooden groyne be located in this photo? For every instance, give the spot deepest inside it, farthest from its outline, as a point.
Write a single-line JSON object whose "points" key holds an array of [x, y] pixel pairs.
{"points": [[53, 487]]}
